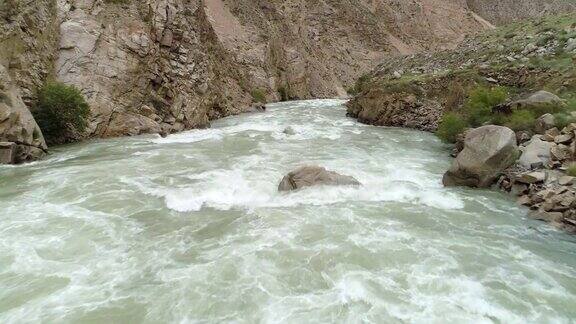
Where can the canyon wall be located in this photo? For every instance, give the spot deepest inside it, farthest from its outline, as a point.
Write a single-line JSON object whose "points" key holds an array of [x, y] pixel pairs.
{"points": [[163, 66], [169, 65]]}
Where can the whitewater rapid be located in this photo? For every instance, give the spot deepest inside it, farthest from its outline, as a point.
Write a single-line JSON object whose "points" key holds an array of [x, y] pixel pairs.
{"points": [[191, 228]]}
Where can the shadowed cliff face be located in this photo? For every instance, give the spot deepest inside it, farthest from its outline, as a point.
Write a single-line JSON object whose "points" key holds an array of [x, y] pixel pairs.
{"points": [[169, 65]]}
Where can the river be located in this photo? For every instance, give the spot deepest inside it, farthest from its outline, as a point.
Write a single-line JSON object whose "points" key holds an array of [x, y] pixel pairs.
{"points": [[191, 228]]}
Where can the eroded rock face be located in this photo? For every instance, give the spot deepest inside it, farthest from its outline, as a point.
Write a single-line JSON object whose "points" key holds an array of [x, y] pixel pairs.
{"points": [[309, 176], [488, 150], [28, 39], [20, 137], [402, 109], [147, 66]]}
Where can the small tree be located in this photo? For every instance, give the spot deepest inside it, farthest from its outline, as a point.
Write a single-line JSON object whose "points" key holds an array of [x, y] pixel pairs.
{"points": [[258, 95], [61, 112], [450, 127], [479, 105]]}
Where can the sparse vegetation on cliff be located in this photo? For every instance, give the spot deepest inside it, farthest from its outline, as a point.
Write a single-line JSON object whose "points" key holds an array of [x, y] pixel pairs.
{"points": [[258, 95], [486, 70], [61, 112]]}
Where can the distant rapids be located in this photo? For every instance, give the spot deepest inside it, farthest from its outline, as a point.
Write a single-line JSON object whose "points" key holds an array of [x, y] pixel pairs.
{"points": [[191, 229]]}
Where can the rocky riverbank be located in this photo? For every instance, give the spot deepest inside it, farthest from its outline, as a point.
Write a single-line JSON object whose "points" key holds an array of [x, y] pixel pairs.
{"points": [[163, 66], [544, 177], [541, 171], [493, 78]]}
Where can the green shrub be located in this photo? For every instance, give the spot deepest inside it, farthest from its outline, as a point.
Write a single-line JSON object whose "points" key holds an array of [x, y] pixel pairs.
{"points": [[521, 120], [546, 108], [562, 120], [479, 105], [544, 40], [258, 95], [61, 112], [283, 93], [450, 127], [571, 104], [360, 84], [572, 170]]}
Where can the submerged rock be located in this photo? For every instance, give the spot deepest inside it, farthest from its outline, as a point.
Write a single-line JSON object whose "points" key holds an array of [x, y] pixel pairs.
{"points": [[289, 131], [308, 176], [488, 150], [257, 107]]}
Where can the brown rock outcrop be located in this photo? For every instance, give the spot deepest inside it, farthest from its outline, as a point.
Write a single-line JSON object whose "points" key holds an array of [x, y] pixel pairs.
{"points": [[189, 62], [169, 65]]}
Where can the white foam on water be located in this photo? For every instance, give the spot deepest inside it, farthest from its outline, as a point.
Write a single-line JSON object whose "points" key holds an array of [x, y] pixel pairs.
{"points": [[228, 189]]}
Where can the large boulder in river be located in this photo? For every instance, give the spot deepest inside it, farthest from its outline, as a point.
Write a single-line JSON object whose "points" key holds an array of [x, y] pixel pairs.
{"points": [[308, 176], [488, 150]]}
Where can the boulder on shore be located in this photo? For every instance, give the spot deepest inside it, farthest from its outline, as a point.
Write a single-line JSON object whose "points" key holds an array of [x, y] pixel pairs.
{"points": [[488, 150], [537, 101], [308, 176], [536, 154], [544, 123]]}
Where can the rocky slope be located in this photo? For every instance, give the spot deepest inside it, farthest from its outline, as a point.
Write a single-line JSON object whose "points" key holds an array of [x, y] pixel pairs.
{"points": [[501, 12], [415, 90], [168, 65]]}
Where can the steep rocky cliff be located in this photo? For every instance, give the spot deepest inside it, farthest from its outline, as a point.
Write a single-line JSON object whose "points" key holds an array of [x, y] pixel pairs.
{"points": [[170, 65], [147, 66], [28, 38], [167, 65]]}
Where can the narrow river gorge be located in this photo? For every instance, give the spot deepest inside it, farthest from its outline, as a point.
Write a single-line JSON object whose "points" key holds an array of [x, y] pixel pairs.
{"points": [[191, 228]]}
